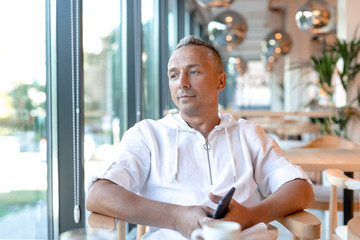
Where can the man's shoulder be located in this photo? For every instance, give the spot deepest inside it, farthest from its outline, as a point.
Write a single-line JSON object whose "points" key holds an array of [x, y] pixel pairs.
{"points": [[242, 122], [166, 121]]}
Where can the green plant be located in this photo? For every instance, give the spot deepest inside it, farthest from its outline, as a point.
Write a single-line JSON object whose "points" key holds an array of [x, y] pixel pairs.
{"points": [[348, 52], [341, 59], [324, 64]]}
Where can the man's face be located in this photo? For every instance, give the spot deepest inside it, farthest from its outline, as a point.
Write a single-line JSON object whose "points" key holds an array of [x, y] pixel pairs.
{"points": [[194, 80]]}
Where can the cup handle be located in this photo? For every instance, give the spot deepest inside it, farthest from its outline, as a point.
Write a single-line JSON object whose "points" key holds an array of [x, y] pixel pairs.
{"points": [[196, 233]]}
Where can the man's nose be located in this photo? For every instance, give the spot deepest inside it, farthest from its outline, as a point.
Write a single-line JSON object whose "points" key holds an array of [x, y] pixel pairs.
{"points": [[184, 81]]}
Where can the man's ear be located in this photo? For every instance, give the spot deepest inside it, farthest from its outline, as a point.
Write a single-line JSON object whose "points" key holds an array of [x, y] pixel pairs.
{"points": [[222, 81]]}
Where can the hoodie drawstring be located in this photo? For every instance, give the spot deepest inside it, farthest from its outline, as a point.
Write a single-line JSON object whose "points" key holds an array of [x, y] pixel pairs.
{"points": [[207, 147], [177, 153], [231, 155]]}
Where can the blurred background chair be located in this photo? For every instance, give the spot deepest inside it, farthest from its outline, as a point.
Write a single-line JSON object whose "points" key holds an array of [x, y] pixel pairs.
{"points": [[338, 179], [322, 190], [296, 128]]}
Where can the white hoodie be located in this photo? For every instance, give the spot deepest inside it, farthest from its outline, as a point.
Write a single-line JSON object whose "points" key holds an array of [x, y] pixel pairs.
{"points": [[168, 161]]}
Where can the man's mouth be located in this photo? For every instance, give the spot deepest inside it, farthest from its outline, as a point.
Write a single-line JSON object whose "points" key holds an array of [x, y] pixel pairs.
{"points": [[185, 96]]}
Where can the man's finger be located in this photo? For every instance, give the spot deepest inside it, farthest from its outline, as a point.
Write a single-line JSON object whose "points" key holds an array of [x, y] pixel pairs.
{"points": [[206, 220], [209, 211], [214, 198]]}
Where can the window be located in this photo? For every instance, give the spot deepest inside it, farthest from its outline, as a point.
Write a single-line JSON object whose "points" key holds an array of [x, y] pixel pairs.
{"points": [[250, 90], [104, 84], [172, 25], [150, 59], [23, 165]]}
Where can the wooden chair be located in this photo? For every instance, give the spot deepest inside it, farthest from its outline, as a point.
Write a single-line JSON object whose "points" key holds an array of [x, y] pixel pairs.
{"points": [[322, 192], [302, 225], [338, 179], [296, 128], [331, 141], [98, 221], [354, 229]]}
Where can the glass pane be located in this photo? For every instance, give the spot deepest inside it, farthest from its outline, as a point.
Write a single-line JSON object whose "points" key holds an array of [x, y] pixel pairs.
{"points": [[150, 59], [187, 21], [104, 90], [23, 166], [172, 24], [250, 90]]}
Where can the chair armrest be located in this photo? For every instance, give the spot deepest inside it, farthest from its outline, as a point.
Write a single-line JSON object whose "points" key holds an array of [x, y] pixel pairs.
{"points": [[338, 178], [98, 221], [302, 224], [353, 228]]}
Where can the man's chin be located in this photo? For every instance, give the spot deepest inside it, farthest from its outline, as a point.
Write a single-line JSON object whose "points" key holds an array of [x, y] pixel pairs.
{"points": [[188, 111]]}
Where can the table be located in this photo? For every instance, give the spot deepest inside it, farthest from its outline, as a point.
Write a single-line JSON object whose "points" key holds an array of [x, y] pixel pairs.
{"points": [[319, 159]]}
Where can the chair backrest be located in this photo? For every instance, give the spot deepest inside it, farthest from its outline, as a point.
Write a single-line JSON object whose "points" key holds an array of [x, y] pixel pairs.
{"points": [[331, 141], [337, 178]]}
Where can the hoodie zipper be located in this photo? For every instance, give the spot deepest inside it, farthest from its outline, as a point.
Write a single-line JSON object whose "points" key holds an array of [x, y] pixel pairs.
{"points": [[207, 147]]}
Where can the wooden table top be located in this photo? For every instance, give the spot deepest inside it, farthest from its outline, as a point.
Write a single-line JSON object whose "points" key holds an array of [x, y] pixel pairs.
{"points": [[312, 159]]}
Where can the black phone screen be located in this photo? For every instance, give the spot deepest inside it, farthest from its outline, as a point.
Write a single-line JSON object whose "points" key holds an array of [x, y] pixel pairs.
{"points": [[224, 204]]}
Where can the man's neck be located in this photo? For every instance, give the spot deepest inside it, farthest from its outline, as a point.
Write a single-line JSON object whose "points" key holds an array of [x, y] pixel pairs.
{"points": [[203, 124]]}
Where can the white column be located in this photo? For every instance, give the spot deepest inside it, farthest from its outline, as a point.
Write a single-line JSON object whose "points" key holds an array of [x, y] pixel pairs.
{"points": [[277, 86], [294, 81], [348, 19]]}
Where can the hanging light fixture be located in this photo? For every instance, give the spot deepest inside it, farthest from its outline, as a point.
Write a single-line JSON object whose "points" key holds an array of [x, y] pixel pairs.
{"points": [[228, 29], [315, 16], [214, 3], [277, 43], [237, 66]]}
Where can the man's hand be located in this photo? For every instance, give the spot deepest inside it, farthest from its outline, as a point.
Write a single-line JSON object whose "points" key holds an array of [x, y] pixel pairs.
{"points": [[237, 212], [188, 218], [292, 196]]}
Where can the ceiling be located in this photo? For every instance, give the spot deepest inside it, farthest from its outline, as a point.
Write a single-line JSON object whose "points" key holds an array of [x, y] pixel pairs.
{"points": [[256, 13], [262, 17]]}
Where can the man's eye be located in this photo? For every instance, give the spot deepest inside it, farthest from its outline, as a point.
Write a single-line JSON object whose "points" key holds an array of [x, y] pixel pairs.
{"points": [[193, 72], [173, 76]]}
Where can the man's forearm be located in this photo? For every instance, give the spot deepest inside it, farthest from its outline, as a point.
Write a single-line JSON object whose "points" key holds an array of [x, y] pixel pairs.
{"points": [[291, 197], [110, 199]]}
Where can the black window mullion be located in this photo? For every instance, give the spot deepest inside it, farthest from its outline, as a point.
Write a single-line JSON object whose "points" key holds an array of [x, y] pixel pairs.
{"points": [[181, 19], [165, 99], [133, 30], [65, 124]]}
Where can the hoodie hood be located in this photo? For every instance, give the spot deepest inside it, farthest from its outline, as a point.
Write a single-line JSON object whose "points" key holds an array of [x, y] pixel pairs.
{"points": [[176, 122]]}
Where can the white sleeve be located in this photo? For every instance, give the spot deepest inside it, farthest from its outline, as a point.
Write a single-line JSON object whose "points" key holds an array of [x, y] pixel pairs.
{"points": [[272, 169], [130, 163]]}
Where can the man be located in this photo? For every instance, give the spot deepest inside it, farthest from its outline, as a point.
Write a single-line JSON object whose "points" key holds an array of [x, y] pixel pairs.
{"points": [[177, 163]]}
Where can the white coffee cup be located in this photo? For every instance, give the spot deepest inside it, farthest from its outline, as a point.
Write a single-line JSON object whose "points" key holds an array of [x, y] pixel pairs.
{"points": [[218, 230]]}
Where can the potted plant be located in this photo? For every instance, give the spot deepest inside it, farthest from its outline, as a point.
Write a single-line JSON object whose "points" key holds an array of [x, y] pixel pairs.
{"points": [[340, 59]]}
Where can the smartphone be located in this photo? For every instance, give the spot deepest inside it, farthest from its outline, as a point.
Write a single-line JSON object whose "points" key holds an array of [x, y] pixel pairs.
{"points": [[224, 204]]}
